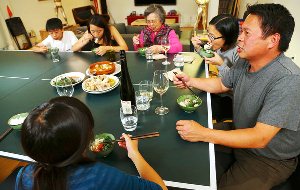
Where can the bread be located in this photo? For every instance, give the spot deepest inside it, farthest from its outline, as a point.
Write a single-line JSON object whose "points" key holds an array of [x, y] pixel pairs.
{"points": [[103, 67]]}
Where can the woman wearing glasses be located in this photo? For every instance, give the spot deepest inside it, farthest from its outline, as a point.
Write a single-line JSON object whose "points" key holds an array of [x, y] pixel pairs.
{"points": [[156, 29], [100, 37], [223, 31]]}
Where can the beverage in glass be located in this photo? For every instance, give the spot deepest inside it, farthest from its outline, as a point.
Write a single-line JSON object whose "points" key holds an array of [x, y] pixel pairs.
{"points": [[54, 54], [149, 55], [146, 88], [142, 101], [166, 46], [65, 90], [129, 119], [161, 85], [178, 60]]}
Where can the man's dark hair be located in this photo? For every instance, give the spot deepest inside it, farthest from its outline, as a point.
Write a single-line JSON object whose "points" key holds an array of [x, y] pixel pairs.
{"points": [[274, 18], [53, 24]]}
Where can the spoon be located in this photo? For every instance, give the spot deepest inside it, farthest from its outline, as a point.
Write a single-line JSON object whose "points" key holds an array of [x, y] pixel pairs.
{"points": [[188, 87]]}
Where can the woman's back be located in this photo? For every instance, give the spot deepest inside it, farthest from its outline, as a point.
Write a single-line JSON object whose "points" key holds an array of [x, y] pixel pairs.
{"points": [[91, 176]]}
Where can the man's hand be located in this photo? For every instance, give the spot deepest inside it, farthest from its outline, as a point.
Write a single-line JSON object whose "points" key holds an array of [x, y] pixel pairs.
{"points": [[178, 78], [190, 130], [215, 60]]}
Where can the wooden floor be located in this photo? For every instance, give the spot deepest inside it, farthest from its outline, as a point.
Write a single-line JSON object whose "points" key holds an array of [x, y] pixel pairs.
{"points": [[7, 166]]}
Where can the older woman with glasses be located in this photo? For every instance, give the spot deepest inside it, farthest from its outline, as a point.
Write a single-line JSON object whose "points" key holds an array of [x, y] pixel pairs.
{"points": [[223, 31], [156, 29]]}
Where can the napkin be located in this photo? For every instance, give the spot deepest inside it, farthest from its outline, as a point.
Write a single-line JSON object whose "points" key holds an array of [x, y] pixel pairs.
{"points": [[170, 74], [159, 56]]}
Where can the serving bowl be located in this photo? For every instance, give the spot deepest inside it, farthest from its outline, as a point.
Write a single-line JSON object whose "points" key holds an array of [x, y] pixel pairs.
{"points": [[189, 103], [102, 145], [205, 53]]}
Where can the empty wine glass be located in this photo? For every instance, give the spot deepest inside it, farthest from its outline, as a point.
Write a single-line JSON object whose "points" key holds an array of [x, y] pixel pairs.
{"points": [[161, 85], [166, 46]]}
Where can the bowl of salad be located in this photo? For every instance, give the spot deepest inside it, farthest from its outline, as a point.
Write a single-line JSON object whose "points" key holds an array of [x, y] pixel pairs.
{"points": [[189, 103], [142, 51], [103, 144]]}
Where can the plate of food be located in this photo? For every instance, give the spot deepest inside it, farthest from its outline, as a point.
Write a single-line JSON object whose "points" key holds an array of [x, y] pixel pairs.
{"points": [[103, 144], [103, 68], [67, 79], [100, 84], [189, 103]]}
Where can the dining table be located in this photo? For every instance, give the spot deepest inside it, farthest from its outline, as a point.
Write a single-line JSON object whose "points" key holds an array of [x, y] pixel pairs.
{"points": [[25, 83]]}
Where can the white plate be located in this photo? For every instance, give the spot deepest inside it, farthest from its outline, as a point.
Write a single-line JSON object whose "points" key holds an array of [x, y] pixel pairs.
{"points": [[117, 70], [78, 75], [117, 82]]}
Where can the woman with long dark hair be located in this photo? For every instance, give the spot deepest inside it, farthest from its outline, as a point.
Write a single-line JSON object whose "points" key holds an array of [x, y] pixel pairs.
{"points": [[56, 135], [100, 37]]}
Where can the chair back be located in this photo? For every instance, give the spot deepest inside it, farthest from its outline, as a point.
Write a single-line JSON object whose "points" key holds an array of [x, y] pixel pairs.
{"points": [[83, 14], [17, 29]]}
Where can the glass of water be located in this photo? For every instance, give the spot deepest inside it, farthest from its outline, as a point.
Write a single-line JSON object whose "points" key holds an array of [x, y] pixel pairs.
{"points": [[142, 101], [65, 90], [149, 55], [146, 88], [178, 60], [54, 54], [129, 119]]}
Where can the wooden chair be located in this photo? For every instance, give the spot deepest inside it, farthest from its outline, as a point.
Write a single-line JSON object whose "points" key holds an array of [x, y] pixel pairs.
{"points": [[17, 30]]}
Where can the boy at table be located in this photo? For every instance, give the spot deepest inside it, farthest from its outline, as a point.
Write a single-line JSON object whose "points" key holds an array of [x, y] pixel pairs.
{"points": [[266, 94], [63, 40]]}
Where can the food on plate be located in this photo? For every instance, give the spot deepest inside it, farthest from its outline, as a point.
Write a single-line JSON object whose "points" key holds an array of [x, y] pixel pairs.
{"points": [[206, 51], [103, 67], [65, 80], [16, 121], [189, 103], [142, 51], [99, 83]]}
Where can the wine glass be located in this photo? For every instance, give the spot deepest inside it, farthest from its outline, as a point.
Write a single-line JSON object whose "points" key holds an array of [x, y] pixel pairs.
{"points": [[166, 46], [161, 85]]}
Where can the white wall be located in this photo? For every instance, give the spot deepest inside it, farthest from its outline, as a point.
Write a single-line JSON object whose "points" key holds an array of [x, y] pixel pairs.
{"points": [[293, 7], [187, 9]]}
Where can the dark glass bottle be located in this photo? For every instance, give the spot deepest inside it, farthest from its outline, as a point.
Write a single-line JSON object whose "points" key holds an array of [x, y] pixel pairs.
{"points": [[127, 93]]}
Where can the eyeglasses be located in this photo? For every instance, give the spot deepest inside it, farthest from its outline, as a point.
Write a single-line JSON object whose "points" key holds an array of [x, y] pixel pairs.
{"points": [[212, 38], [151, 21]]}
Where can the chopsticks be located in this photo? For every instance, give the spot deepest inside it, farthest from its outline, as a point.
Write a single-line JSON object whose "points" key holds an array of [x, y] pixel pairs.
{"points": [[143, 136], [187, 86], [5, 133]]}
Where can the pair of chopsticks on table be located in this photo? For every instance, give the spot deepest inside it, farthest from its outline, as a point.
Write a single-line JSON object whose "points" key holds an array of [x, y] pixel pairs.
{"points": [[143, 136], [8, 130]]}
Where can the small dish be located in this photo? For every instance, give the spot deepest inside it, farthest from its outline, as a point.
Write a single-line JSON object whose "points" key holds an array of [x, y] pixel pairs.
{"points": [[71, 79], [16, 121], [142, 51], [189, 103], [103, 145]]}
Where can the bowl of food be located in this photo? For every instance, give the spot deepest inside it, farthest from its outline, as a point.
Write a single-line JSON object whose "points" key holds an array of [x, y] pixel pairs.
{"points": [[16, 121], [102, 68], [189, 103], [207, 51], [103, 144], [142, 51]]}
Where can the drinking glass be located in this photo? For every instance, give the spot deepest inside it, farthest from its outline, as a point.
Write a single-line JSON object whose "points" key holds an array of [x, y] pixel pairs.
{"points": [[129, 119], [178, 60], [54, 54], [65, 90], [142, 101], [166, 46], [146, 87], [161, 85], [149, 55]]}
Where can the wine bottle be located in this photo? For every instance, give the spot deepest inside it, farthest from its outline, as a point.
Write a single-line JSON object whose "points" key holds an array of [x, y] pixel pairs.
{"points": [[127, 93]]}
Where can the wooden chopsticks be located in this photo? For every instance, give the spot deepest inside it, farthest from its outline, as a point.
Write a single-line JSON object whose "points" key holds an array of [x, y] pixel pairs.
{"points": [[143, 136], [8, 130], [187, 86]]}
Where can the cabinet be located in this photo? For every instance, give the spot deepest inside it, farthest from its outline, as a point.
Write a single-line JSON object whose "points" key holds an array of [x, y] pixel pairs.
{"points": [[132, 18]]}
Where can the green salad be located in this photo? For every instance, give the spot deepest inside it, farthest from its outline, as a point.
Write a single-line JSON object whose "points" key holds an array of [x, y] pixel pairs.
{"points": [[64, 81]]}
